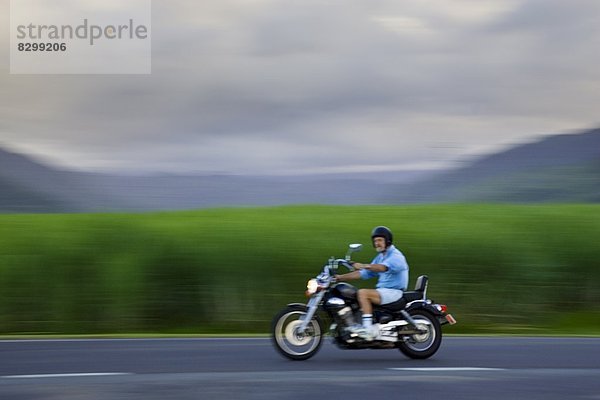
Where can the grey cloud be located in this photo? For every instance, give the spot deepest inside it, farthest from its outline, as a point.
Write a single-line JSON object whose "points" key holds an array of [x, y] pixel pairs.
{"points": [[287, 85]]}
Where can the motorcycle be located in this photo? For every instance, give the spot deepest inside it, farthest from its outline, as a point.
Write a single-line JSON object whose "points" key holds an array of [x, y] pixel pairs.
{"points": [[411, 324]]}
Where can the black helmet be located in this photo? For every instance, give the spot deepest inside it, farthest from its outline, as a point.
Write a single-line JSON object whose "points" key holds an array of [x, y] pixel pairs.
{"points": [[384, 232]]}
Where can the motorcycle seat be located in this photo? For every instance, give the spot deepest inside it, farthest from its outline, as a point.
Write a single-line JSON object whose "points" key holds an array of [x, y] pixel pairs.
{"points": [[399, 305], [407, 297], [412, 296]]}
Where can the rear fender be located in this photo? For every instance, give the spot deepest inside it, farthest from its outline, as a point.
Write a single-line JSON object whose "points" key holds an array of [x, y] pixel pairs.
{"points": [[433, 310], [423, 305]]}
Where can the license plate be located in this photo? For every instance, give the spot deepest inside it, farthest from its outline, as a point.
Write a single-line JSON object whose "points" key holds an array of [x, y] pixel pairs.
{"points": [[450, 319]]}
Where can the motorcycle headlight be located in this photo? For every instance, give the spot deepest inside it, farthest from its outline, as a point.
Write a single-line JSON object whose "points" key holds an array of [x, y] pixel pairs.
{"points": [[311, 287]]}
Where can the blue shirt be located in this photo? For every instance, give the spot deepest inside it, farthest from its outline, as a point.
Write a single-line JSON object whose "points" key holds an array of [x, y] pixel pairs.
{"points": [[396, 276]]}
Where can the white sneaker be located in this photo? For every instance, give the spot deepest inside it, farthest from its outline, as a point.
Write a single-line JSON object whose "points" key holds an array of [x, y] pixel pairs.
{"points": [[374, 331], [362, 332]]}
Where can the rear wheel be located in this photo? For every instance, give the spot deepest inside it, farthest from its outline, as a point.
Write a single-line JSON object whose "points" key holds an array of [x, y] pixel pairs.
{"points": [[422, 345], [289, 340]]}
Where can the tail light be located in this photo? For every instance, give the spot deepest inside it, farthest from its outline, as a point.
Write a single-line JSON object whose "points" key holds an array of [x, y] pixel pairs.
{"points": [[442, 308]]}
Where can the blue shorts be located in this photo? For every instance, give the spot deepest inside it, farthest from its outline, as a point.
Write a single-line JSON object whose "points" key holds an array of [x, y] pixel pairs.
{"points": [[389, 295]]}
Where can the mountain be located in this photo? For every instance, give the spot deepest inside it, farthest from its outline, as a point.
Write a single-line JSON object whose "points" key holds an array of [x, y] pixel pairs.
{"points": [[30, 186], [561, 168], [16, 198]]}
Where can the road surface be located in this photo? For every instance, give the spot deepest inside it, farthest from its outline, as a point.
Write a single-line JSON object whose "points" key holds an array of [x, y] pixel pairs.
{"points": [[463, 368]]}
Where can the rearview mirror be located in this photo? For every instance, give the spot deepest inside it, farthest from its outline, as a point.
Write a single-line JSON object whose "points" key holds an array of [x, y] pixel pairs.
{"points": [[353, 248]]}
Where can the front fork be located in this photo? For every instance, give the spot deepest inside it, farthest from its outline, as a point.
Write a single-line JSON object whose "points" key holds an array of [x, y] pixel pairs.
{"points": [[311, 309]]}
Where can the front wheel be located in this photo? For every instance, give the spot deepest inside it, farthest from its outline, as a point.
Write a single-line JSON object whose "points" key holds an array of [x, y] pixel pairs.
{"points": [[422, 345], [289, 340]]}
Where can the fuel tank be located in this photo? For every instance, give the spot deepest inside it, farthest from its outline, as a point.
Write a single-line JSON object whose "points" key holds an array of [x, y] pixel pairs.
{"points": [[344, 291]]}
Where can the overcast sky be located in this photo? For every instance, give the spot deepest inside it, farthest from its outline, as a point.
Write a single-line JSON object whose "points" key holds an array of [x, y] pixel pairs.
{"points": [[267, 86]]}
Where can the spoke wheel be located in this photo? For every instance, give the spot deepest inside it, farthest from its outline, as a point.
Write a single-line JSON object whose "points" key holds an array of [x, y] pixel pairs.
{"points": [[290, 340], [426, 344]]}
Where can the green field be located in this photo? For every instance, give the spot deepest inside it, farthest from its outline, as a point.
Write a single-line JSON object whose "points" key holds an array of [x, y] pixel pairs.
{"points": [[500, 268]]}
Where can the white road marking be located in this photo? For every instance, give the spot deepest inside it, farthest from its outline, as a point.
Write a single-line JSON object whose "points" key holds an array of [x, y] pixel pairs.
{"points": [[170, 339], [448, 369], [74, 375]]}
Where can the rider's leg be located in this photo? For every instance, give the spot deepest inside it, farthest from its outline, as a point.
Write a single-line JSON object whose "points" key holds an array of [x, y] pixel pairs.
{"points": [[366, 299]]}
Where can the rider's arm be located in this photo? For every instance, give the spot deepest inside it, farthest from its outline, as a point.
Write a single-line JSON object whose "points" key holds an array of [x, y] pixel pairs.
{"points": [[357, 275], [371, 267], [349, 276]]}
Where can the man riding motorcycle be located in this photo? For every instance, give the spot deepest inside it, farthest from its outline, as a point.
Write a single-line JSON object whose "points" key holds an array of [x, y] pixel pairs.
{"points": [[391, 269]]}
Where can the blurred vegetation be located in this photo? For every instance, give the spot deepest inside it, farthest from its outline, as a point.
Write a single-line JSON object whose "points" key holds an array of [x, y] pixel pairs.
{"points": [[499, 268]]}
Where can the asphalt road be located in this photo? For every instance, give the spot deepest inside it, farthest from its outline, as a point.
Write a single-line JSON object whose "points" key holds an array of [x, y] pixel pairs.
{"points": [[464, 368]]}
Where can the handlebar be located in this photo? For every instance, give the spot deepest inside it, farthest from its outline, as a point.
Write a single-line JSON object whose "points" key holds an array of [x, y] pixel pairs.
{"points": [[345, 263]]}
